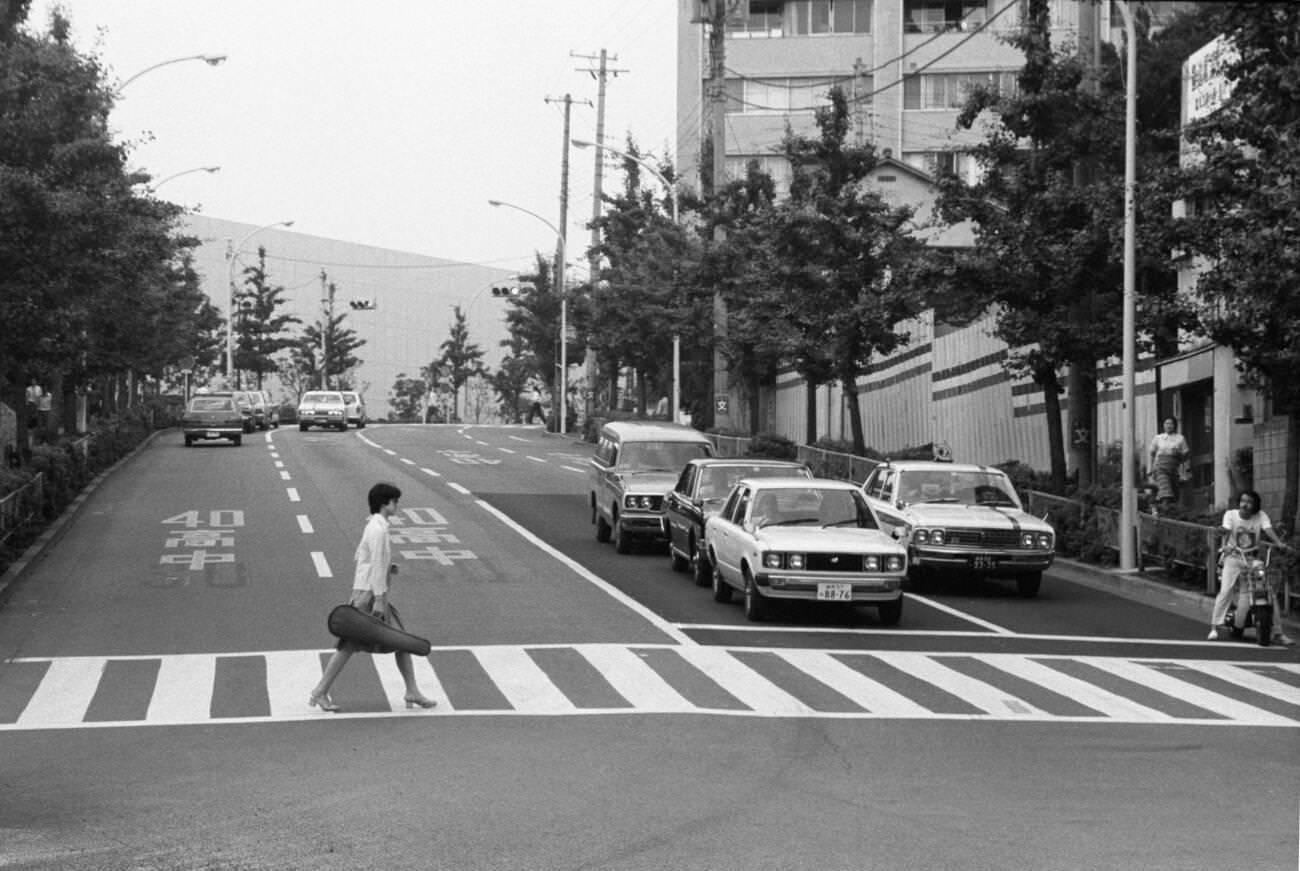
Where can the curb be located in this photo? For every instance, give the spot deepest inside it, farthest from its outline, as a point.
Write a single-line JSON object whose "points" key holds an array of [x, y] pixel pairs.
{"points": [[58, 527]]}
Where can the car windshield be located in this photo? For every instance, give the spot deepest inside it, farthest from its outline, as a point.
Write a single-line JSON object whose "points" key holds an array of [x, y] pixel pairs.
{"points": [[963, 488], [811, 506], [323, 399], [716, 481], [210, 403], [660, 456]]}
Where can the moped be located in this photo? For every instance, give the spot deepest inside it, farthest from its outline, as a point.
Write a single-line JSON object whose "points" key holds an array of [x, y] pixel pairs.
{"points": [[1254, 596]]}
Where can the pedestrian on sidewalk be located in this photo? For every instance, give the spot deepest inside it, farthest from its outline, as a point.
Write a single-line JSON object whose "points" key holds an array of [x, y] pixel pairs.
{"points": [[1169, 451], [1244, 527], [370, 587]]}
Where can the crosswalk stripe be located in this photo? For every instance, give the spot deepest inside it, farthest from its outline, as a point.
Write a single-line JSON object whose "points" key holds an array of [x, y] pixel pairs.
{"points": [[1143, 673], [522, 681], [1112, 705], [778, 682], [854, 685], [635, 681], [988, 699], [183, 692], [1251, 680], [740, 680], [65, 693], [290, 676]]}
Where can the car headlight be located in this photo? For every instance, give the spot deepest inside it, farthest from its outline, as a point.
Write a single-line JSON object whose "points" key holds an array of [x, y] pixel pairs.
{"points": [[894, 563], [1045, 540], [794, 561], [640, 503], [871, 563], [921, 536], [1028, 539], [772, 560]]}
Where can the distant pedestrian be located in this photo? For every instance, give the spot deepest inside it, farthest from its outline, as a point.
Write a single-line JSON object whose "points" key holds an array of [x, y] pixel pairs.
{"points": [[34, 394], [44, 405], [1169, 451], [534, 399], [370, 587]]}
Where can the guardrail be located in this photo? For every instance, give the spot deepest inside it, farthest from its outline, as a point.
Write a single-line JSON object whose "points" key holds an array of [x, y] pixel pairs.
{"points": [[22, 507]]}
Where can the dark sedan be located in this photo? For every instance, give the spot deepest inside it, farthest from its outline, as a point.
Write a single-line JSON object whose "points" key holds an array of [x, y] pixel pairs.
{"points": [[700, 491], [213, 417]]}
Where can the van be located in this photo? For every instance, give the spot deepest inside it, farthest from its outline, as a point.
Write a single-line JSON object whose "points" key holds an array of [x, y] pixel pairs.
{"points": [[635, 466]]}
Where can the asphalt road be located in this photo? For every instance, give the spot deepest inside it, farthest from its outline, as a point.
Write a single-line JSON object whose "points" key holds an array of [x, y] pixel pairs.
{"points": [[595, 710]]}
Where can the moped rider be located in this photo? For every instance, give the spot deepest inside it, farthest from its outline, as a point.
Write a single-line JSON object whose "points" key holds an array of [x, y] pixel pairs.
{"points": [[1243, 526]]}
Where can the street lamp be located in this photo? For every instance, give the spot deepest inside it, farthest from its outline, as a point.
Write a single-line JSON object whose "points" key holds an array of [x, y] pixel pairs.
{"points": [[672, 192], [207, 169], [562, 428], [230, 287], [211, 60]]}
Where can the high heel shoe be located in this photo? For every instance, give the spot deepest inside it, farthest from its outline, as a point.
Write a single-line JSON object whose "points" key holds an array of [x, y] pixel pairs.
{"points": [[324, 702], [419, 701]]}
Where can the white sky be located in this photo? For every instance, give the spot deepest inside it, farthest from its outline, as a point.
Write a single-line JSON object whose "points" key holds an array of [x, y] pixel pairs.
{"points": [[388, 123]]}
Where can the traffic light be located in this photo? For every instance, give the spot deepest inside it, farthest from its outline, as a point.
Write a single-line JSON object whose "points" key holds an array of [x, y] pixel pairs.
{"points": [[513, 289], [363, 304]]}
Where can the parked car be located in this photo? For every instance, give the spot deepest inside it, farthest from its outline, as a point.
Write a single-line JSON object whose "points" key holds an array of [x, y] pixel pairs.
{"points": [[323, 408], [212, 417], [356, 409], [798, 538], [961, 519], [700, 491], [635, 465]]}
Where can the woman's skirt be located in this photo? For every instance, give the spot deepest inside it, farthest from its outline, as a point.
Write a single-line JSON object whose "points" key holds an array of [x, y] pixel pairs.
{"points": [[364, 600], [1166, 476]]}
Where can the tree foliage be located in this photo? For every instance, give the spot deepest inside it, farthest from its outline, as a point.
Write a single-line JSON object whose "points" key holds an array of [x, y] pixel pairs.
{"points": [[460, 359], [262, 329]]}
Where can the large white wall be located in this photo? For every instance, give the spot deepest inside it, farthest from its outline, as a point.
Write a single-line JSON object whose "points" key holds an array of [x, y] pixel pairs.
{"points": [[415, 293]]}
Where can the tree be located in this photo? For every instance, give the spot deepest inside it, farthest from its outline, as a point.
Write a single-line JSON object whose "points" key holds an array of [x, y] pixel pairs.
{"points": [[461, 359], [406, 398], [644, 296], [511, 379], [261, 330], [841, 254], [1246, 217], [87, 266], [1045, 255], [533, 321], [342, 343]]}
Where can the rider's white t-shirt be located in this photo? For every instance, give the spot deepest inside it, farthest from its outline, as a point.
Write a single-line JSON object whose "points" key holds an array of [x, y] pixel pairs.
{"points": [[1244, 532]]}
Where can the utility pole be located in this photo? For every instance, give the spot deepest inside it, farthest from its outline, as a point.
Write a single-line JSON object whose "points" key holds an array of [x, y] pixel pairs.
{"points": [[562, 379], [716, 21], [327, 303], [600, 74]]}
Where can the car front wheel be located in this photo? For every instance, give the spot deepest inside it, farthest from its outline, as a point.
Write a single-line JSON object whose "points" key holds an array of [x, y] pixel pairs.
{"points": [[622, 541], [756, 607], [602, 529], [700, 566]]}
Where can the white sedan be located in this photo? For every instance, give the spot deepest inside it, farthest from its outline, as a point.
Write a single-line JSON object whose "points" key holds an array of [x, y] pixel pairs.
{"points": [[795, 538]]}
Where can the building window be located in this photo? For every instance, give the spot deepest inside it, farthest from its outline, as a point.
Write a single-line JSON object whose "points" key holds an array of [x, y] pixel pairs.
{"points": [[762, 18], [774, 18], [808, 17], [783, 95], [934, 16], [950, 90]]}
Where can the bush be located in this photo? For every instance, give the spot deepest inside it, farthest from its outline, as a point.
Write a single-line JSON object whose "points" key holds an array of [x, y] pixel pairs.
{"points": [[772, 446]]}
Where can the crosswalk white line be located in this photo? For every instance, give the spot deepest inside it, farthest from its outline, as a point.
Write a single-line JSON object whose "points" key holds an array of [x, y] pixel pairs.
{"points": [[290, 676], [988, 699], [183, 688], [1157, 679], [1251, 680], [633, 679], [1114, 706], [65, 693], [853, 684], [742, 682], [183, 691], [522, 681]]}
